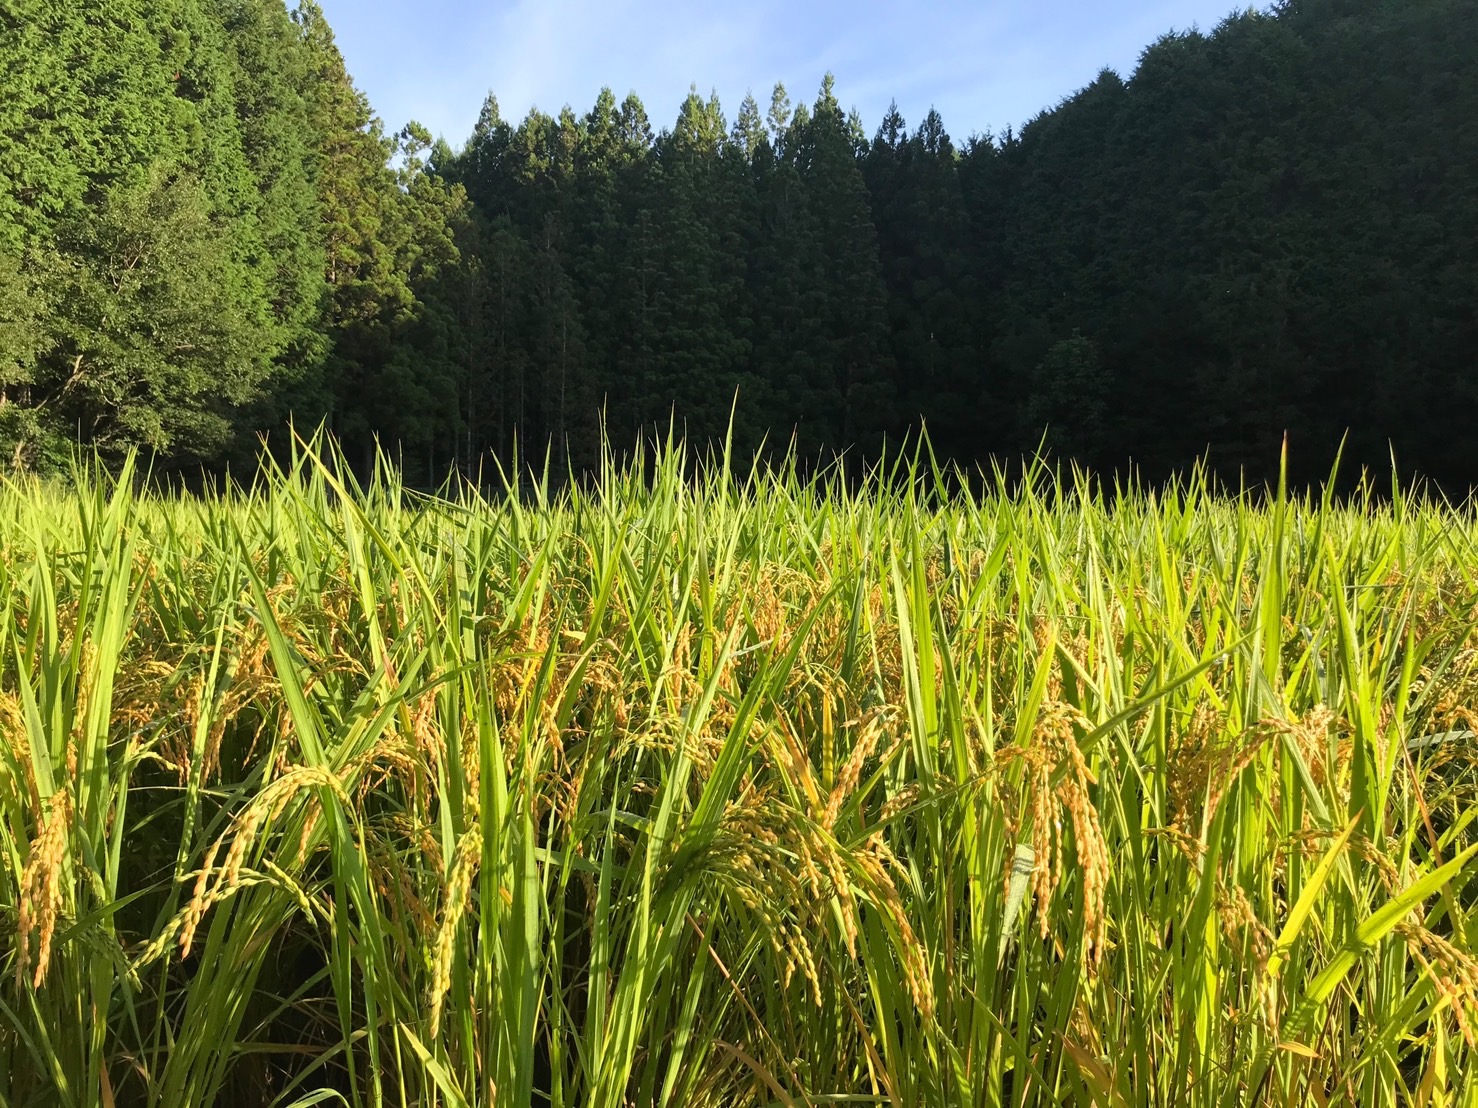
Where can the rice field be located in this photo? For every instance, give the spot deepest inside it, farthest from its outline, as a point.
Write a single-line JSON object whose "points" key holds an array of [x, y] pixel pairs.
{"points": [[734, 789]]}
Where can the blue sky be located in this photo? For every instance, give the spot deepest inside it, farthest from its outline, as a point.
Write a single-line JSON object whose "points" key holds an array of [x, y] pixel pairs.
{"points": [[983, 65]]}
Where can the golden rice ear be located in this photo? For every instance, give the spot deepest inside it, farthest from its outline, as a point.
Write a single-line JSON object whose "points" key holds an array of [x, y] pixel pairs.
{"points": [[262, 812], [42, 894], [1452, 971], [454, 907], [200, 900], [821, 882], [869, 732]]}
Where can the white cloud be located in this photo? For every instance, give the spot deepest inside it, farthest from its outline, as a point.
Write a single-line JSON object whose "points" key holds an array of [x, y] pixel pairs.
{"points": [[982, 64]]}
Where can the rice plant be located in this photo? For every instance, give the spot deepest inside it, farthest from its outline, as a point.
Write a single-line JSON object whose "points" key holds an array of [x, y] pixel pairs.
{"points": [[712, 787]]}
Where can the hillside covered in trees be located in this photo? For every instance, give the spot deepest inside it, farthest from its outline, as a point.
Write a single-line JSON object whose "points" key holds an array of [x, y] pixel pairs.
{"points": [[205, 231]]}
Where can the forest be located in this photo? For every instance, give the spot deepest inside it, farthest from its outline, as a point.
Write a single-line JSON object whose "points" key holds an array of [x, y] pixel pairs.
{"points": [[1267, 228], [699, 768]]}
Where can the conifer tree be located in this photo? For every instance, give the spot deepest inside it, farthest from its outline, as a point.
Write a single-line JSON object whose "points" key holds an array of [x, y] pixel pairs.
{"points": [[699, 360], [1262, 228], [850, 394], [923, 230]]}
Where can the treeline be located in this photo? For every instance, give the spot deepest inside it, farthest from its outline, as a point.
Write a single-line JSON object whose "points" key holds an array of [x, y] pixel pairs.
{"points": [[203, 230], [1267, 228]]}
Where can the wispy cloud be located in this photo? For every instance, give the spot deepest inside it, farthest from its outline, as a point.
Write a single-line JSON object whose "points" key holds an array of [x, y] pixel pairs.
{"points": [[983, 65]]}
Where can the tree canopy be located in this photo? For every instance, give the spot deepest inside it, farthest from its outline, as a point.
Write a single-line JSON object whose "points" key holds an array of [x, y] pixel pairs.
{"points": [[1264, 229]]}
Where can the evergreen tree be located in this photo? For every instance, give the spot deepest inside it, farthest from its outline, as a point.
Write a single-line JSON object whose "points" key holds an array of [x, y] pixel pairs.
{"points": [[25, 338], [109, 113], [1069, 399], [699, 360], [923, 231], [90, 95], [368, 293], [610, 305], [749, 128], [1262, 229], [786, 285], [269, 75], [850, 395]]}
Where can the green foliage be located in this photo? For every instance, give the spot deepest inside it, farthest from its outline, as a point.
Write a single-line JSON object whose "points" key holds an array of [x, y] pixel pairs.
{"points": [[1258, 232], [1205, 224], [923, 227], [849, 393], [22, 325], [140, 349], [271, 79], [90, 95], [393, 277], [1070, 398], [299, 253], [24, 339], [734, 790], [1248, 231]]}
